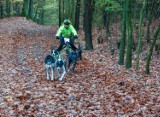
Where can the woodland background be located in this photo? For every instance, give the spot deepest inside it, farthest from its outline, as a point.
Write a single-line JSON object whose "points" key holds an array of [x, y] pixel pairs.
{"points": [[120, 71]]}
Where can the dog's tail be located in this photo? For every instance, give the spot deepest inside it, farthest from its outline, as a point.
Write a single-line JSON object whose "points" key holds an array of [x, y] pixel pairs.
{"points": [[80, 50], [53, 48]]}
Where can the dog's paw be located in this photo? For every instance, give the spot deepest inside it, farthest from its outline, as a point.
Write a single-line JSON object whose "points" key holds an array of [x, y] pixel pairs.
{"points": [[47, 78], [60, 79], [52, 79], [72, 72]]}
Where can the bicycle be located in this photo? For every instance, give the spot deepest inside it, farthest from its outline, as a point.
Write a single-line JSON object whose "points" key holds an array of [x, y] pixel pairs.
{"points": [[67, 49]]}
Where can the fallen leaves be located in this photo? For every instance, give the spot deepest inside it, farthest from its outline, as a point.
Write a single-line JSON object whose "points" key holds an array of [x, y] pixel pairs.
{"points": [[99, 87], [24, 96]]}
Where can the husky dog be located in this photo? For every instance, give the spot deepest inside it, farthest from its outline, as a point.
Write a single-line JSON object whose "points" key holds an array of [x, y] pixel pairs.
{"points": [[60, 67], [50, 64], [73, 57], [59, 64]]}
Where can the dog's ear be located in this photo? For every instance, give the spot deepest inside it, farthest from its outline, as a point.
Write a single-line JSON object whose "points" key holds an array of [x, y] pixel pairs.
{"points": [[52, 49], [53, 46]]}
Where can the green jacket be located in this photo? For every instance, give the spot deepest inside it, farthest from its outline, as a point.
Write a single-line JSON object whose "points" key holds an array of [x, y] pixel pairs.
{"points": [[62, 31]]}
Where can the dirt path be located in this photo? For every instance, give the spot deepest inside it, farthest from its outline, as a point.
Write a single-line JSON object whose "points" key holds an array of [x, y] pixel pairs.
{"points": [[99, 87]]}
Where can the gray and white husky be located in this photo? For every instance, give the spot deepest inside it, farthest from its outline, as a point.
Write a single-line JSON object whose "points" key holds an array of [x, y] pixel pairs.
{"points": [[53, 61], [60, 67], [50, 64]]}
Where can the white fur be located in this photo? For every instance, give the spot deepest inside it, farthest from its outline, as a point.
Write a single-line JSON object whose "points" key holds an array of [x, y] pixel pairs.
{"points": [[50, 67]]}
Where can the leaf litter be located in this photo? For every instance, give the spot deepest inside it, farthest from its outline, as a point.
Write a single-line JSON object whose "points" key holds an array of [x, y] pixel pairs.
{"points": [[100, 87]]}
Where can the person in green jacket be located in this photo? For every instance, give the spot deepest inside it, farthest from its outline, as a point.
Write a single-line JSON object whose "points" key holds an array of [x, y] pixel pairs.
{"points": [[66, 31]]}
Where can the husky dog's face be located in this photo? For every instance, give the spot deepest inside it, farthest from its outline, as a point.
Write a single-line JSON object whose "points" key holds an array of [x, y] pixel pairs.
{"points": [[53, 52]]}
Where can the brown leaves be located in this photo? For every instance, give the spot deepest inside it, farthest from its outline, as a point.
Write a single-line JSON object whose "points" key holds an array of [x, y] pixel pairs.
{"points": [[100, 87], [24, 96]]}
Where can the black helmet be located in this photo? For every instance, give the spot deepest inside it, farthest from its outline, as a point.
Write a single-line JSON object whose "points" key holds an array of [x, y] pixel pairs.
{"points": [[67, 22]]}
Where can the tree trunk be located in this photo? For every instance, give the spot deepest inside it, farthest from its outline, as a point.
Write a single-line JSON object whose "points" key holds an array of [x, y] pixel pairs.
{"points": [[151, 50], [130, 37], [8, 8], [146, 10], [63, 15], [77, 15], [17, 9], [88, 24], [30, 11], [42, 17], [104, 17], [108, 25], [35, 16], [149, 21], [140, 34], [1, 10], [72, 12], [158, 51], [24, 9], [158, 13], [123, 36], [60, 20], [148, 32], [67, 9]]}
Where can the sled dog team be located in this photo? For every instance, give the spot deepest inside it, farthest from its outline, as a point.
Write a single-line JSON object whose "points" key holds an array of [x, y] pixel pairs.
{"points": [[55, 60]]}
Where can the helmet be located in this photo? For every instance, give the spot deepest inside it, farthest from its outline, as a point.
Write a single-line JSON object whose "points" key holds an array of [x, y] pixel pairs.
{"points": [[66, 22]]}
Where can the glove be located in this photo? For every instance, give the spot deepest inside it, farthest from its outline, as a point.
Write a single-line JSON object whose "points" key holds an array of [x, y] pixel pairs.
{"points": [[57, 37], [75, 37]]}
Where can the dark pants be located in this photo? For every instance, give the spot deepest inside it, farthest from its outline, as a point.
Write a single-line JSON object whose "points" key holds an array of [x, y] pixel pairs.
{"points": [[71, 43]]}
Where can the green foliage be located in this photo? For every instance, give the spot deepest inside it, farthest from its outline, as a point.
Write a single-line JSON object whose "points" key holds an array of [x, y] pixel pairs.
{"points": [[113, 6], [110, 5], [50, 8], [51, 14], [14, 1]]}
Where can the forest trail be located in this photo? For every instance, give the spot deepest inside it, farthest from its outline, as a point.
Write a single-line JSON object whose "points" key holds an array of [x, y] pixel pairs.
{"points": [[99, 87]]}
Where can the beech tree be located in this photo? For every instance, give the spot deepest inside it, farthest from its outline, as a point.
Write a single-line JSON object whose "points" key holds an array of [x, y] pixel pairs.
{"points": [[151, 50], [140, 33], [1, 9], [24, 9], [129, 36], [123, 35], [77, 15], [30, 10], [8, 8], [88, 15]]}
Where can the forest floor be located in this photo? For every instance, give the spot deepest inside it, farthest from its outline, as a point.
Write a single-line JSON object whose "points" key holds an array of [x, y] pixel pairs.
{"points": [[99, 88]]}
